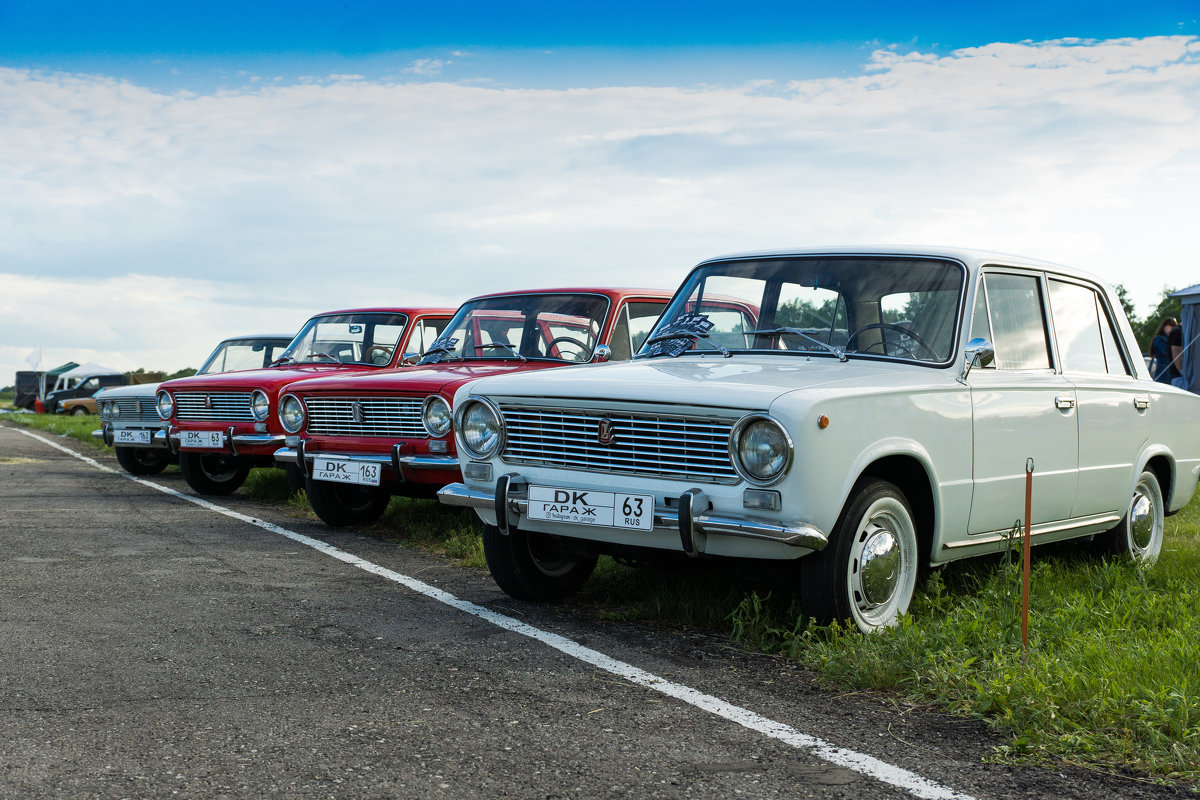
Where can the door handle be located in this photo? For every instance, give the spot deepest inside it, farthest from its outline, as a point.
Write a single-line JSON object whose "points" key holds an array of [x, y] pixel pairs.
{"points": [[1064, 402], [1141, 403]]}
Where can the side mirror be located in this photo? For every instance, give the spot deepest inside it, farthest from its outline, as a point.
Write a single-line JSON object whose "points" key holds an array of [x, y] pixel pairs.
{"points": [[602, 353], [979, 353]]}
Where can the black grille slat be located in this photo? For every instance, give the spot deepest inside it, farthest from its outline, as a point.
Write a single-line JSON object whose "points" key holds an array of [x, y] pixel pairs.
{"points": [[652, 445], [139, 409], [226, 406], [396, 417]]}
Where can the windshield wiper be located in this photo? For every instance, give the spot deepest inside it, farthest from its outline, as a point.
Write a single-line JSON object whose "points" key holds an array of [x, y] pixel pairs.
{"points": [[282, 360], [837, 351], [695, 337], [693, 327], [332, 358], [508, 347], [441, 348]]}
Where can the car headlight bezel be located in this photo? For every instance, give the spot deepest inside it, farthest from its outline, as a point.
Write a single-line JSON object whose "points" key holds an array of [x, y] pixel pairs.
{"points": [[436, 416], [260, 405], [762, 463], [291, 413], [164, 404], [469, 417]]}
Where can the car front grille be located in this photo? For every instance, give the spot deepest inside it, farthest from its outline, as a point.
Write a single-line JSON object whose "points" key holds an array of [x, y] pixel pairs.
{"points": [[222, 406], [398, 417], [645, 444], [140, 409]]}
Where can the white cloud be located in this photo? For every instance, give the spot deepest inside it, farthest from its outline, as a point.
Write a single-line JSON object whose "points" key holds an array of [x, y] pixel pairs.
{"points": [[344, 191], [426, 66]]}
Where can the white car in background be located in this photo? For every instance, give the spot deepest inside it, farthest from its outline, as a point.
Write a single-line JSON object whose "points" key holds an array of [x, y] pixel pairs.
{"points": [[130, 421], [876, 418]]}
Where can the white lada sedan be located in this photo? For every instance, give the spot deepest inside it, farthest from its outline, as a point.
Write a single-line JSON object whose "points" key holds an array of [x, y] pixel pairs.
{"points": [[868, 413]]}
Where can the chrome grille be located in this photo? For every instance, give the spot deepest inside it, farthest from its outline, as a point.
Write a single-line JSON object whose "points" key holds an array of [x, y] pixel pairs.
{"points": [[397, 417], [226, 406], [652, 445], [137, 408]]}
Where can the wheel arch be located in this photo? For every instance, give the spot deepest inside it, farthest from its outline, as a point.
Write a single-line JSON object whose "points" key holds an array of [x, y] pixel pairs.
{"points": [[911, 476], [1163, 467]]}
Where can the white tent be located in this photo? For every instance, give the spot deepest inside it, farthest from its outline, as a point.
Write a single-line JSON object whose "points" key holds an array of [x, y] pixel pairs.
{"points": [[76, 376]]}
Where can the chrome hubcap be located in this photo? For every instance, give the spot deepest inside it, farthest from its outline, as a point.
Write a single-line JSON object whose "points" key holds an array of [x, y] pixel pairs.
{"points": [[1142, 520], [879, 567]]}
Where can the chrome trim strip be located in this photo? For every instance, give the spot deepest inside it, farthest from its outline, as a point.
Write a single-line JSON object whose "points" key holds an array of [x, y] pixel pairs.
{"points": [[258, 439], [1037, 530], [802, 535]]}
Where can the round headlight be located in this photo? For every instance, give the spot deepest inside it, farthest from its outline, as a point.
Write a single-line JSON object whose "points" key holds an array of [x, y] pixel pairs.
{"points": [[762, 450], [114, 410], [165, 405], [260, 406], [291, 413], [479, 429], [435, 414]]}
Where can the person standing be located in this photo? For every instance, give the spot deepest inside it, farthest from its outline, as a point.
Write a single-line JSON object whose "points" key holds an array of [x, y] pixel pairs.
{"points": [[1175, 348], [1159, 350]]}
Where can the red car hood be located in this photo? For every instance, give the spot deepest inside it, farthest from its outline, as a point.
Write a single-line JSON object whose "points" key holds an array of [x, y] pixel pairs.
{"points": [[265, 379], [424, 380]]}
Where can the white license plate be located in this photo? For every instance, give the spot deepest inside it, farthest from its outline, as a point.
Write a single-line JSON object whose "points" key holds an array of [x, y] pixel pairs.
{"points": [[203, 440], [126, 436], [587, 507], [341, 470]]}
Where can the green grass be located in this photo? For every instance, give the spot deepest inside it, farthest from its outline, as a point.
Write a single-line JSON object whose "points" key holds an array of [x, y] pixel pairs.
{"points": [[62, 425]]}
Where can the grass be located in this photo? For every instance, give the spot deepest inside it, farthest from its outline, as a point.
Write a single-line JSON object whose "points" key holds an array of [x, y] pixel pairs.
{"points": [[1111, 679], [61, 425]]}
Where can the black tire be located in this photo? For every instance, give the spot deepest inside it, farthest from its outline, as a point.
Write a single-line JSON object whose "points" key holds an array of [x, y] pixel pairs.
{"points": [[842, 583], [143, 460], [1139, 534], [534, 566], [79, 411], [213, 473], [341, 504]]}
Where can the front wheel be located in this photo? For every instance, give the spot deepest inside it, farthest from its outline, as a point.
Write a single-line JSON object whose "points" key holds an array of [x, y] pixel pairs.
{"points": [[868, 572], [79, 411], [534, 566], [341, 504], [1139, 534], [213, 473], [142, 460]]}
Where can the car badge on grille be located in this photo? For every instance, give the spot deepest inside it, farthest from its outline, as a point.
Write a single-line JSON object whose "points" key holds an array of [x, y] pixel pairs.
{"points": [[207, 401], [604, 432], [356, 411]]}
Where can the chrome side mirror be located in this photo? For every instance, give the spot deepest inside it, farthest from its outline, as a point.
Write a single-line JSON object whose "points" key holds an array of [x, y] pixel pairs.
{"points": [[979, 353], [602, 353]]}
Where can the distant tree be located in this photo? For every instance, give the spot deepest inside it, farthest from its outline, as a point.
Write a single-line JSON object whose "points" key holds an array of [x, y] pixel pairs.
{"points": [[183, 373], [1127, 304], [1167, 307]]}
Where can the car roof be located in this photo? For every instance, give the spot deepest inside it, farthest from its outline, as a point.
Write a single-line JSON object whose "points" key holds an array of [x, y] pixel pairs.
{"points": [[412, 311], [616, 293], [287, 336]]}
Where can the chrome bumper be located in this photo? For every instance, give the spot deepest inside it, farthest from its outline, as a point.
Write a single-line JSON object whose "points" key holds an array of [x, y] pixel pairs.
{"points": [[511, 498], [398, 462], [230, 441], [158, 438]]}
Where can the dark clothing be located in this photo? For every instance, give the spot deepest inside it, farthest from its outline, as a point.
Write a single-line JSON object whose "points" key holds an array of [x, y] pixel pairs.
{"points": [[1162, 358], [1175, 339]]}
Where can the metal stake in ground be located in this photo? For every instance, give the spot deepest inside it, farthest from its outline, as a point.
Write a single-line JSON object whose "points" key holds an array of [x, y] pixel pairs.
{"points": [[1025, 555]]}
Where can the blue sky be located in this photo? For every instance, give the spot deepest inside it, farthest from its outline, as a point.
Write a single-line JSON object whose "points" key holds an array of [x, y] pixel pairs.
{"points": [[216, 168]]}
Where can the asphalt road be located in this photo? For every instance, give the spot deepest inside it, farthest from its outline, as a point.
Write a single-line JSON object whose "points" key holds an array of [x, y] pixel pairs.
{"points": [[153, 647]]}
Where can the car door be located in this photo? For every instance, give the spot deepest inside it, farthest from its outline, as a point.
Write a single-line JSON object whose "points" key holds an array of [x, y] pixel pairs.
{"points": [[1113, 406], [1022, 408]]}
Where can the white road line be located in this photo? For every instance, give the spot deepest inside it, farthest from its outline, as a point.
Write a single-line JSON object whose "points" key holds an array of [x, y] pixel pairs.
{"points": [[859, 762]]}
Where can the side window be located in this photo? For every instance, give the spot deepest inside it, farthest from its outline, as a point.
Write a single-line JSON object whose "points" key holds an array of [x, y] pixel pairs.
{"points": [[1014, 303], [618, 342], [426, 332], [981, 328], [642, 317], [1086, 338]]}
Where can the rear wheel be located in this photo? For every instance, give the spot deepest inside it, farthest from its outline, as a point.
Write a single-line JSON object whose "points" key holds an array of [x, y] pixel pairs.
{"points": [[341, 504], [143, 461], [868, 572], [534, 566], [213, 473], [79, 411], [1139, 535]]}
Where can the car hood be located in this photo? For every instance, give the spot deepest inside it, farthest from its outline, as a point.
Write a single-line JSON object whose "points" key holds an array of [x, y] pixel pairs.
{"points": [[744, 381], [133, 390], [425, 380], [267, 379]]}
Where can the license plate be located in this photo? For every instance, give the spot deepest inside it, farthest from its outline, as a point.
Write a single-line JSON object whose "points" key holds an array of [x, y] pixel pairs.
{"points": [[587, 507], [126, 436], [341, 470], [203, 440]]}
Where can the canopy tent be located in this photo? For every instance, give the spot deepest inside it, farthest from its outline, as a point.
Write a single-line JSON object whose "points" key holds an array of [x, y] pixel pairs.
{"points": [[1189, 320]]}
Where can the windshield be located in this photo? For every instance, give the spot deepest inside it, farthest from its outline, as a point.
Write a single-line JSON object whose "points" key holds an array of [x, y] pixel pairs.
{"points": [[562, 327], [240, 354], [354, 338], [845, 306]]}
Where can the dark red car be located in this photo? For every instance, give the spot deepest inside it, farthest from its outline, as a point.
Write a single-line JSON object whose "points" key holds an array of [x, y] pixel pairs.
{"points": [[222, 425], [359, 439]]}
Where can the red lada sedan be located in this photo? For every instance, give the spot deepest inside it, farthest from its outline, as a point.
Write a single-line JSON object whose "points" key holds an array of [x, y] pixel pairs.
{"points": [[359, 439], [222, 425]]}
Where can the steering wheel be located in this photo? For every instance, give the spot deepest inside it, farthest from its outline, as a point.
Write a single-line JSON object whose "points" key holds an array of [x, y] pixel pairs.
{"points": [[583, 348], [912, 335], [379, 354]]}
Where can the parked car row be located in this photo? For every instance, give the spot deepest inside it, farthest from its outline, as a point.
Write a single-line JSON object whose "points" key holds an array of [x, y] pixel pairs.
{"points": [[862, 414]]}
